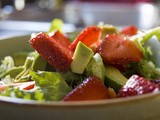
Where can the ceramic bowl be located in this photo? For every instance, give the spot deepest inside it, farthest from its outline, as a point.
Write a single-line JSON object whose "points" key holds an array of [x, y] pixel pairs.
{"points": [[144, 107]]}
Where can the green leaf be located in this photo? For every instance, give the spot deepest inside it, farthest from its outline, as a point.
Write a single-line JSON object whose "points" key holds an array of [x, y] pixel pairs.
{"points": [[52, 84], [33, 62], [72, 79], [148, 70], [28, 95], [143, 68], [13, 72], [56, 24], [150, 33], [146, 35], [6, 64]]}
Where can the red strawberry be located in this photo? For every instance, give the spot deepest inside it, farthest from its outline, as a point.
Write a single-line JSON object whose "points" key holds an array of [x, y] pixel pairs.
{"points": [[23, 86], [53, 51], [129, 30], [61, 38], [118, 50], [96, 45], [138, 85], [3, 87], [91, 89], [88, 36], [28, 85]]}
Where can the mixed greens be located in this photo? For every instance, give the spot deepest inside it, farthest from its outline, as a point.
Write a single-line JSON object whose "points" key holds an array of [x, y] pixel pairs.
{"points": [[64, 63]]}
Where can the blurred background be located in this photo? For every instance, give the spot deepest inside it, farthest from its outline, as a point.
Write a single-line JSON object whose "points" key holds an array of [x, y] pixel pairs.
{"points": [[26, 16]]}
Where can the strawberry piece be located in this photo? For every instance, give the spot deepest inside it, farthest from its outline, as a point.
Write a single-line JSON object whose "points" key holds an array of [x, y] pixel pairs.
{"points": [[53, 51], [129, 30], [88, 36], [91, 89], [61, 38], [22, 86], [118, 50], [28, 85], [96, 45], [3, 87], [137, 85]]}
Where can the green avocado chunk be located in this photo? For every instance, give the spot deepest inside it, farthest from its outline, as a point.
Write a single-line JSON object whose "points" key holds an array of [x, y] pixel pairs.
{"points": [[96, 67], [81, 58], [114, 78], [39, 64], [13, 72], [108, 29]]}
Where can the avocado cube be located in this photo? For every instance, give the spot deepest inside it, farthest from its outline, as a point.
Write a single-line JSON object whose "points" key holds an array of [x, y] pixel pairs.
{"points": [[81, 58]]}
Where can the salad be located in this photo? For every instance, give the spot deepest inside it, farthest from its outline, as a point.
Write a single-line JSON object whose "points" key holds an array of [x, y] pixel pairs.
{"points": [[99, 62]]}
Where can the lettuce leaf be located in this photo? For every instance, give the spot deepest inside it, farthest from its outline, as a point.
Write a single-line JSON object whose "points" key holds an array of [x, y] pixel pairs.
{"points": [[52, 84], [143, 68], [146, 35], [72, 79], [27, 95], [148, 42], [6, 64]]}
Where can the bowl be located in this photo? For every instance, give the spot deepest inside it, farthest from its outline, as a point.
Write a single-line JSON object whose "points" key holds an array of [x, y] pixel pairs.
{"points": [[143, 107]]}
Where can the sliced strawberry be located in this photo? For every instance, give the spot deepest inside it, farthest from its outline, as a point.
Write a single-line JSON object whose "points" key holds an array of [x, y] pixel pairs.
{"points": [[3, 87], [91, 89], [88, 36], [53, 51], [23, 86], [129, 30], [96, 45], [138, 85], [61, 38], [28, 85], [118, 50]]}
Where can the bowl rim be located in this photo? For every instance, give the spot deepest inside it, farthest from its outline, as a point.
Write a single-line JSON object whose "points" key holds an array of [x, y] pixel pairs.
{"points": [[74, 104], [78, 104]]}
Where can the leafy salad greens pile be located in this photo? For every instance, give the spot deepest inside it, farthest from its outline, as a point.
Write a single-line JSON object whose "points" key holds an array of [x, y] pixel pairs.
{"points": [[64, 65]]}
